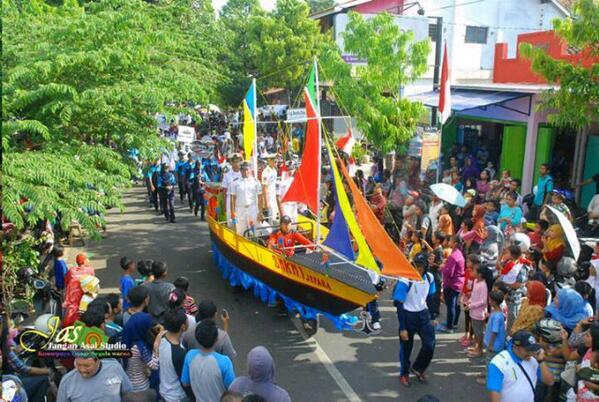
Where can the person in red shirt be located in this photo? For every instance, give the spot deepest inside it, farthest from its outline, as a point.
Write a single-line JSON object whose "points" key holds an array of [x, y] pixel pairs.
{"points": [[536, 236], [286, 239]]}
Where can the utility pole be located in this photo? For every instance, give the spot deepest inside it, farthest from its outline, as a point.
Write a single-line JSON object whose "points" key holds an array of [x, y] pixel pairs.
{"points": [[437, 68]]}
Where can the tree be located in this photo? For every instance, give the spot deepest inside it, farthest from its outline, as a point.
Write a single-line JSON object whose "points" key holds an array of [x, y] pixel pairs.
{"points": [[283, 43], [80, 86], [234, 18], [371, 93], [576, 102], [320, 5]]}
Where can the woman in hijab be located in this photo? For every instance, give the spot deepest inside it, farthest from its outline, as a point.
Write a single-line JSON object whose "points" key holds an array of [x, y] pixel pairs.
{"points": [[492, 247], [471, 170], [554, 244], [142, 366], [259, 381], [532, 309], [568, 308]]}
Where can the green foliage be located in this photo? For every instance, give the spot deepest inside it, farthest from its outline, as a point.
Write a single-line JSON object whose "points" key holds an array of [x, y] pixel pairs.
{"points": [[370, 93], [320, 5], [234, 18], [80, 86], [16, 255], [576, 103], [282, 44]]}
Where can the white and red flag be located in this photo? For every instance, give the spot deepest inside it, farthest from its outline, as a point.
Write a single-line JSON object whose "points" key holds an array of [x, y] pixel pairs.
{"points": [[445, 89]]}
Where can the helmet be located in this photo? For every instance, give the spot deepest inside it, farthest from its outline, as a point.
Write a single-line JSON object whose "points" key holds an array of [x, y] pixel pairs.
{"points": [[549, 329], [521, 240], [566, 266], [46, 323]]}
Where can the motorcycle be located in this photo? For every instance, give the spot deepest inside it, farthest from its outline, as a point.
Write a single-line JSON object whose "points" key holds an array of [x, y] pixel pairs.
{"points": [[46, 299]]}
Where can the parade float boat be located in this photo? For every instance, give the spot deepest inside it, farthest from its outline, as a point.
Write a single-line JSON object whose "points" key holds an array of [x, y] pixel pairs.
{"points": [[335, 276]]}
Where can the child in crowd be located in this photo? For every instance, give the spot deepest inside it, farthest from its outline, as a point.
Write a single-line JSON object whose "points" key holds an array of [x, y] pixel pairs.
{"points": [[189, 303], [514, 273], [112, 328], [586, 291], [127, 282], [417, 244], [469, 277], [145, 270], [536, 236], [172, 355], [445, 222], [446, 177], [495, 333], [138, 298], [549, 336], [478, 306], [60, 267], [491, 213]]}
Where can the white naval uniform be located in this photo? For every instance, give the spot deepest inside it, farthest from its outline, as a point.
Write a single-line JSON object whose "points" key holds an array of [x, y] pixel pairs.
{"points": [[269, 181], [228, 179], [246, 193], [288, 208]]}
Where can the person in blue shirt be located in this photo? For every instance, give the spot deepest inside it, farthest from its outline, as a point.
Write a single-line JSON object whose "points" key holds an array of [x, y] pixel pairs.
{"points": [[166, 191], [209, 374], [60, 267], [181, 167], [127, 281], [544, 188], [510, 213], [153, 172], [196, 189], [495, 334], [513, 373], [410, 299]]}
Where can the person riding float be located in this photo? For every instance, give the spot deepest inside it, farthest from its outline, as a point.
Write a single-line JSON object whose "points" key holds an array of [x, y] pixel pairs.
{"points": [[285, 240]]}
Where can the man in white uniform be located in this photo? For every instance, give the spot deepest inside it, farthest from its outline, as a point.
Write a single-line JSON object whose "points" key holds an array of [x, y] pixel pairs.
{"points": [[246, 196], [228, 179], [287, 208], [269, 188]]}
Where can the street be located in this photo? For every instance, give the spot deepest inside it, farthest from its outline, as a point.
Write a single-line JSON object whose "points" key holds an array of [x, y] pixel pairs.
{"points": [[331, 366]]}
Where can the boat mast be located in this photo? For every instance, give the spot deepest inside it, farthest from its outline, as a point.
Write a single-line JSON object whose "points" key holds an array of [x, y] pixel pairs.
{"points": [[316, 84], [255, 155]]}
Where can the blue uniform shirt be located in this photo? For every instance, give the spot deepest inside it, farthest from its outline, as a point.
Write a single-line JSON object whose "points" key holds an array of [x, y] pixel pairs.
{"points": [[544, 187], [169, 182]]}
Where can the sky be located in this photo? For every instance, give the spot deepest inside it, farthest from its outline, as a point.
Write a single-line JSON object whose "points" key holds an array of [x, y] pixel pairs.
{"points": [[266, 4]]}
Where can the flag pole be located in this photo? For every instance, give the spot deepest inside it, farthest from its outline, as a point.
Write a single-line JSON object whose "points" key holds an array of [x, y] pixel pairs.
{"points": [[255, 155], [317, 85]]}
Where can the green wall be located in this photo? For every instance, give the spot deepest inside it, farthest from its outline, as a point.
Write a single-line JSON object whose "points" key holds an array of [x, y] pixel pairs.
{"points": [[512, 150], [591, 166], [545, 142]]}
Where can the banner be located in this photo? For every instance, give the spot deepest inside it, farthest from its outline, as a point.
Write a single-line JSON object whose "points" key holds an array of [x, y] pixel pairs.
{"points": [[296, 115], [186, 134], [431, 148]]}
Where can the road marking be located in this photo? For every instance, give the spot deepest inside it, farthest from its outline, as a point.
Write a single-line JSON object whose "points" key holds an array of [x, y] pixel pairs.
{"points": [[328, 364]]}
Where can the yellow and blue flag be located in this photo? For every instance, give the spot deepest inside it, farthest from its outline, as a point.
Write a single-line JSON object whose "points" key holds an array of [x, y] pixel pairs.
{"points": [[249, 121]]}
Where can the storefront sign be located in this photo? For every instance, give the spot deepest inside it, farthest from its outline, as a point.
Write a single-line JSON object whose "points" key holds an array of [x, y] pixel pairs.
{"points": [[431, 148]]}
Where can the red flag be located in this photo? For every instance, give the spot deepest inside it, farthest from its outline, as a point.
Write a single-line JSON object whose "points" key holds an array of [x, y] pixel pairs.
{"points": [[346, 143], [304, 187], [445, 90]]}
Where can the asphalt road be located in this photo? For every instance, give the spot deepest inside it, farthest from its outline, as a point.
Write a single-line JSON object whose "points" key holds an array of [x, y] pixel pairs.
{"points": [[331, 366]]}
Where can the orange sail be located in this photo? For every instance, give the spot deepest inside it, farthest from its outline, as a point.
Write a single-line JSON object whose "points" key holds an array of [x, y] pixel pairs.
{"points": [[394, 261]]}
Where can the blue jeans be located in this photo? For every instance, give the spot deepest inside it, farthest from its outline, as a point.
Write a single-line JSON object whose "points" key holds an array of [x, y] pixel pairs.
{"points": [[453, 307], [417, 323], [373, 309]]}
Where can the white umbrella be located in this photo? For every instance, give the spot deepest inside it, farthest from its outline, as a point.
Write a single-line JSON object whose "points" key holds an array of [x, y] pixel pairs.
{"points": [[213, 108], [448, 194], [569, 231]]}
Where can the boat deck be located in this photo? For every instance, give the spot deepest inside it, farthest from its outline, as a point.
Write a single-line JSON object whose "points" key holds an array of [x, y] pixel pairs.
{"points": [[337, 269]]}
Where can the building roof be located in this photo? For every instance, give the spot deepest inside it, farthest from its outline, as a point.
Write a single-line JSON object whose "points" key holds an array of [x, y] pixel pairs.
{"points": [[338, 8], [524, 88]]}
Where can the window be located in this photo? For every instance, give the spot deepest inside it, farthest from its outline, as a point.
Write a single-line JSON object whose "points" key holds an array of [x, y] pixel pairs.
{"points": [[432, 31], [476, 34]]}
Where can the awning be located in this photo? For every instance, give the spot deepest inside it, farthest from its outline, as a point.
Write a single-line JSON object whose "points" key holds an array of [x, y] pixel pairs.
{"points": [[466, 99]]}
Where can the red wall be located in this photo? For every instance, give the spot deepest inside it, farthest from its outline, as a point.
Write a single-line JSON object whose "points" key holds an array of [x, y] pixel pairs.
{"points": [[518, 70], [378, 6]]}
